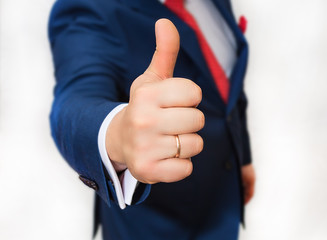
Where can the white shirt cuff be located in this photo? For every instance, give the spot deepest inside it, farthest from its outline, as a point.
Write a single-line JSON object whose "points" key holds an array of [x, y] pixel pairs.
{"points": [[125, 188]]}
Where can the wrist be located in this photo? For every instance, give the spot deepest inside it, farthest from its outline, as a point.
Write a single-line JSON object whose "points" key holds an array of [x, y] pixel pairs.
{"points": [[113, 142]]}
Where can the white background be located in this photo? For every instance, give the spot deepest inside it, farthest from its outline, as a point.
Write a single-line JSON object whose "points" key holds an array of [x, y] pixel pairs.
{"points": [[42, 198]]}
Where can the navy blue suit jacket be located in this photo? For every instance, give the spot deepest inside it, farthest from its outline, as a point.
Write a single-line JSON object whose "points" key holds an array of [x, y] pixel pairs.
{"points": [[99, 47]]}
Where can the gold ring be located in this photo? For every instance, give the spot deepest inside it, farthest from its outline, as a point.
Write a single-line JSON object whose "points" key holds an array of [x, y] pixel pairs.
{"points": [[178, 143]]}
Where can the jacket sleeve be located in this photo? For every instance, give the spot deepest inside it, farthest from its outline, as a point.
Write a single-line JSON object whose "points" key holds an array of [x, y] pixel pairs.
{"points": [[247, 156], [89, 61]]}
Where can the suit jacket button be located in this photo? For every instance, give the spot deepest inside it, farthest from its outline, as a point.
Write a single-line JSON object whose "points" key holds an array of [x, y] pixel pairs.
{"points": [[228, 165], [229, 118], [89, 183]]}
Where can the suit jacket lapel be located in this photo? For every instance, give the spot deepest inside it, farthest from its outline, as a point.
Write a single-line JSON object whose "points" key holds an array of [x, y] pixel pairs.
{"points": [[236, 79]]}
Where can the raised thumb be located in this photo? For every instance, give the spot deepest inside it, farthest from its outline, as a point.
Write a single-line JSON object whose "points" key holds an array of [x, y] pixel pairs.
{"points": [[167, 47]]}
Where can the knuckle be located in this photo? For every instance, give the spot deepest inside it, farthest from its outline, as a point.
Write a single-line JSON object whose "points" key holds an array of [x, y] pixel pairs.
{"points": [[141, 91], [198, 144], [196, 93], [145, 93], [141, 169], [137, 168], [188, 169], [142, 117], [148, 175], [195, 145], [139, 121], [200, 120]]}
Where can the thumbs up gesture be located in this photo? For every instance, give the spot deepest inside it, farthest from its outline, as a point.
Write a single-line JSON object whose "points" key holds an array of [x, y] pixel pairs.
{"points": [[143, 135]]}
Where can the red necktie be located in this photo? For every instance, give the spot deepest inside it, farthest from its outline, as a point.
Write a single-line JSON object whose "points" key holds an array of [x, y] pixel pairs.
{"points": [[216, 70]]}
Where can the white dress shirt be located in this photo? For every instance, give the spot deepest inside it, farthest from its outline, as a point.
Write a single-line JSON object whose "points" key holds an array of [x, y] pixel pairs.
{"points": [[223, 44]]}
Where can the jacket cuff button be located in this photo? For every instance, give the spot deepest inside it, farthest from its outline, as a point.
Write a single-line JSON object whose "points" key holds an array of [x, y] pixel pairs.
{"points": [[89, 183]]}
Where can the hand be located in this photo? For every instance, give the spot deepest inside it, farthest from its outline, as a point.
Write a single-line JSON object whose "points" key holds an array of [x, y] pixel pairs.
{"points": [[142, 135], [248, 179]]}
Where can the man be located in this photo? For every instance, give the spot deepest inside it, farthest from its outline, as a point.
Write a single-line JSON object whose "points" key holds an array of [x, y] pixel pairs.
{"points": [[140, 153]]}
